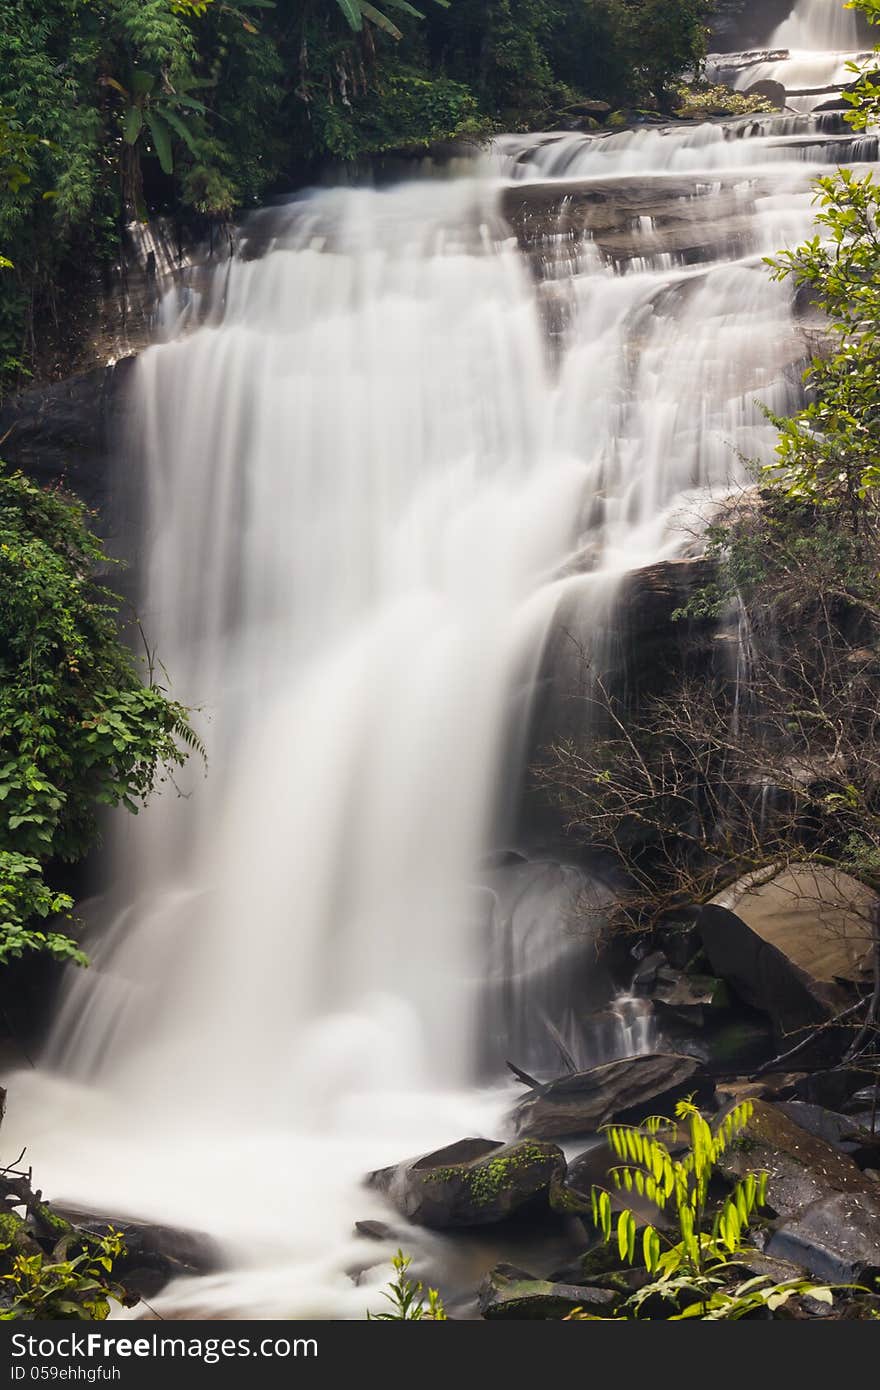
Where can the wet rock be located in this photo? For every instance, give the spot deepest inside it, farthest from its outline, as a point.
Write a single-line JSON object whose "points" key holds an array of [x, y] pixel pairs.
{"points": [[629, 218], [736, 1043], [734, 1092], [507, 1292], [475, 1182], [692, 997], [844, 1132], [587, 1268], [836, 1238], [154, 1255], [801, 1167], [680, 941], [832, 1089], [792, 947], [588, 108], [652, 594], [583, 1102], [773, 92], [754, 1264], [63, 432], [374, 1230], [590, 1168]]}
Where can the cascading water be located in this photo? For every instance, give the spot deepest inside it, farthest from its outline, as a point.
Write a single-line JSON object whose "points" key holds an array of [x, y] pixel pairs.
{"points": [[395, 439], [818, 24], [809, 55]]}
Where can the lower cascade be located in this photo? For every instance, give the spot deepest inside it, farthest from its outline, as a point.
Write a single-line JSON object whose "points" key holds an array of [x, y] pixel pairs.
{"points": [[390, 449]]}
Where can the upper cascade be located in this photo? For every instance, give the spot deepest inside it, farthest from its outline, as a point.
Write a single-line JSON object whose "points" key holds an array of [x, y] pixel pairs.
{"points": [[818, 25], [809, 55]]}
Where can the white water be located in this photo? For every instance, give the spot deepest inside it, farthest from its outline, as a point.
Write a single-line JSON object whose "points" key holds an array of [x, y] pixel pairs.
{"points": [[823, 41], [818, 24], [370, 487]]}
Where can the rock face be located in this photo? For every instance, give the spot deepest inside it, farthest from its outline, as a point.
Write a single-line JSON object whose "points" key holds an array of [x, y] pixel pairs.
{"points": [[836, 1238], [66, 432], [472, 1183], [508, 1292], [745, 23], [802, 1168], [583, 1102], [790, 947]]}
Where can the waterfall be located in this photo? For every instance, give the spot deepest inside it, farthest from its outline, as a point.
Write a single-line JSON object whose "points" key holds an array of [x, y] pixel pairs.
{"points": [[387, 450], [818, 24], [810, 55]]}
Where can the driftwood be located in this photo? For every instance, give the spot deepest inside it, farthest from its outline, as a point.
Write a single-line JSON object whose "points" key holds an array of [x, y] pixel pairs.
{"points": [[562, 1048], [524, 1077]]}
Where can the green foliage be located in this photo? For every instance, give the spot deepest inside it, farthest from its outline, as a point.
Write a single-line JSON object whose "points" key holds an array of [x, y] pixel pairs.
{"points": [[24, 896], [77, 1287], [691, 1277], [79, 730], [407, 1297], [119, 109], [829, 454], [649, 1170], [698, 100]]}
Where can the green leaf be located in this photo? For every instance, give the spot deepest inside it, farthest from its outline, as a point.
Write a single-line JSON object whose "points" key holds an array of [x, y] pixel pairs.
{"points": [[407, 8], [142, 83], [180, 127], [352, 11], [132, 125], [380, 20], [161, 141]]}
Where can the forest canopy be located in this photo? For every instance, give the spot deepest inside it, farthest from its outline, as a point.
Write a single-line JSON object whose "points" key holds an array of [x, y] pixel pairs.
{"points": [[117, 109]]}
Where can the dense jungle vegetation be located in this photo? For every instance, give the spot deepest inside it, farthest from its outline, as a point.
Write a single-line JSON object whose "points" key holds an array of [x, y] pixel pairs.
{"points": [[118, 109]]}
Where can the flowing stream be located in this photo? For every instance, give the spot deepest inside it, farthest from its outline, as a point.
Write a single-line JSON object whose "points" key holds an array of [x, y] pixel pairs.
{"points": [[384, 450]]}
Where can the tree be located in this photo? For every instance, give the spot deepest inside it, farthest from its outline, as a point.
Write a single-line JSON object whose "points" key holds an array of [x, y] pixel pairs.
{"points": [[80, 729], [829, 454]]}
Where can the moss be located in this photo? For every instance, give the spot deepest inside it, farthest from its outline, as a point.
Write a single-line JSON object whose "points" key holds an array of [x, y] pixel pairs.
{"points": [[51, 1219], [567, 1200], [488, 1178], [11, 1225]]}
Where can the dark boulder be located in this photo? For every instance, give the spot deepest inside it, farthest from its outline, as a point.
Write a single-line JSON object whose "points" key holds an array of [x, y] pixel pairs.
{"points": [[680, 940], [773, 92], [583, 1102], [801, 1167], [374, 1230], [507, 1292], [844, 1132], [836, 1238], [154, 1255], [475, 1182], [834, 1089], [795, 946]]}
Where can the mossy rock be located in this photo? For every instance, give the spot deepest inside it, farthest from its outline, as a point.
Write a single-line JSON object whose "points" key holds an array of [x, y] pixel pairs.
{"points": [[511, 1293], [475, 1182], [16, 1238]]}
